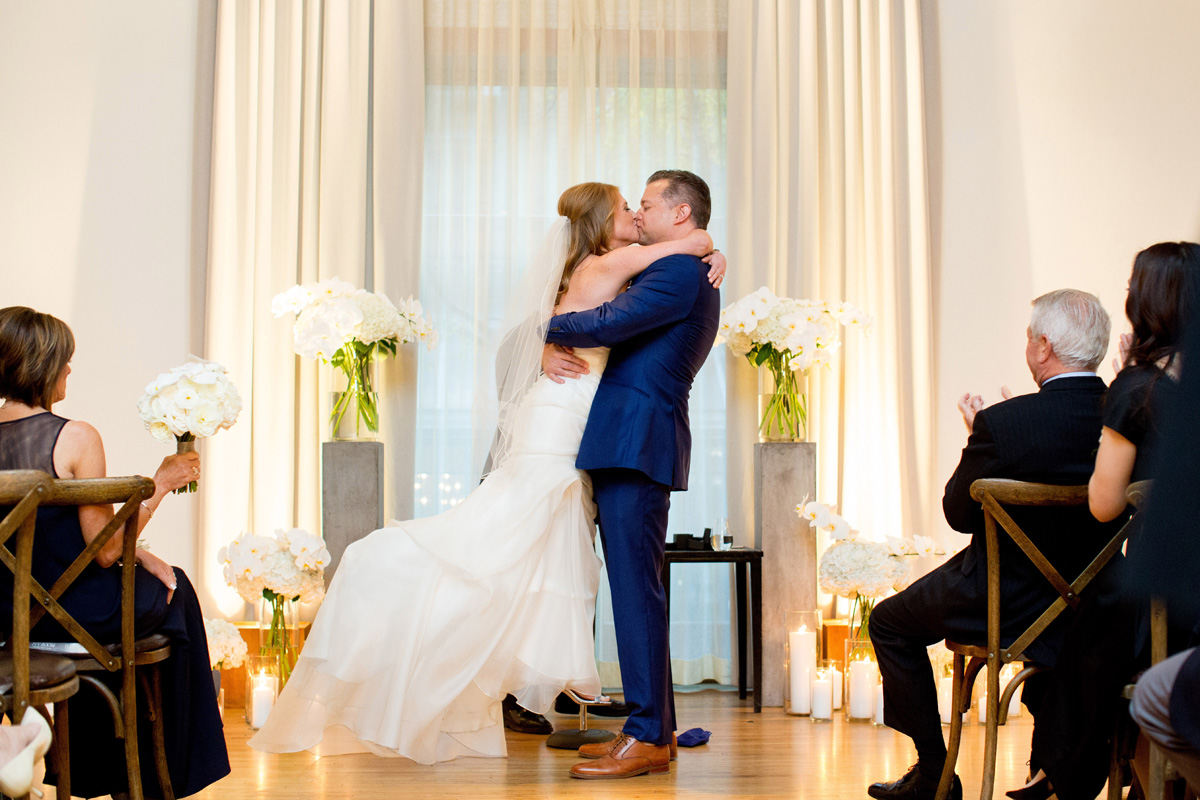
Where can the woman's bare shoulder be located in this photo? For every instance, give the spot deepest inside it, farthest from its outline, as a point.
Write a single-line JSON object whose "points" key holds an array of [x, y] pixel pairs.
{"points": [[589, 288]]}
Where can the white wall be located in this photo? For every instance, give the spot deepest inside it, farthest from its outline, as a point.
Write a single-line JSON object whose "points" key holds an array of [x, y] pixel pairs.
{"points": [[104, 143], [1064, 137]]}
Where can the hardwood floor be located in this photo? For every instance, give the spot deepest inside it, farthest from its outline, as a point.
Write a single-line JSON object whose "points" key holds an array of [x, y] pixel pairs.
{"points": [[767, 755]]}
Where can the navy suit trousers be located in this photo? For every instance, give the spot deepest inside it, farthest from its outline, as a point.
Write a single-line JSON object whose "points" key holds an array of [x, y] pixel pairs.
{"points": [[633, 531]]}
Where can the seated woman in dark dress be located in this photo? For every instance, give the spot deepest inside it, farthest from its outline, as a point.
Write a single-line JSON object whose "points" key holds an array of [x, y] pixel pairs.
{"points": [[35, 351], [1107, 641]]}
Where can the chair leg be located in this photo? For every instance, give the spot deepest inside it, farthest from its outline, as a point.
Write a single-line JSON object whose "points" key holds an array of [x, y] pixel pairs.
{"points": [[1157, 781], [1114, 768], [133, 766], [992, 730], [956, 685], [62, 750], [155, 705]]}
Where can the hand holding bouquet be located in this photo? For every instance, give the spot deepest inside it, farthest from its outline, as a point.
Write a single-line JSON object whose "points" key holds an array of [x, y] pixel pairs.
{"points": [[190, 402]]}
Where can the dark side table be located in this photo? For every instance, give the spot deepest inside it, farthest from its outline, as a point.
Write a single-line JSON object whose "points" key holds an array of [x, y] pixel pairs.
{"points": [[739, 557]]}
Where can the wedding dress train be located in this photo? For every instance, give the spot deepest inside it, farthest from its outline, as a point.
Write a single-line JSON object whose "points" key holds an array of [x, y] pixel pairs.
{"points": [[429, 623]]}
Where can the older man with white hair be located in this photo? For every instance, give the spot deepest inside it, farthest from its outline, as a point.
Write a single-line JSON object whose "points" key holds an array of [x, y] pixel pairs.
{"points": [[1047, 437]]}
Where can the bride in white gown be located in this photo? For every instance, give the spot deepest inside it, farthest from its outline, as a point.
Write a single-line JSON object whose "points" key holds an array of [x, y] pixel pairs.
{"points": [[428, 623]]}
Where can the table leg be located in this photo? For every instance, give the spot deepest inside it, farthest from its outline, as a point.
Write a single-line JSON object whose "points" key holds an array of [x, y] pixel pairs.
{"points": [[666, 582], [739, 603], [756, 612]]}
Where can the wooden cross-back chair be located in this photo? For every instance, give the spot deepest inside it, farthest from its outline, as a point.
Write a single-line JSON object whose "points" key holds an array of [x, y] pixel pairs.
{"points": [[28, 678], [994, 494], [89, 656]]}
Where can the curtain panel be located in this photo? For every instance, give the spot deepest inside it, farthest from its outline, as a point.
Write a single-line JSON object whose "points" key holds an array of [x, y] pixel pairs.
{"points": [[524, 99], [827, 191], [316, 173]]}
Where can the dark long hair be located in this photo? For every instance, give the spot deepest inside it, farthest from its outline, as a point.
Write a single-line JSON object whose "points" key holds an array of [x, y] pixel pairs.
{"points": [[1161, 301]]}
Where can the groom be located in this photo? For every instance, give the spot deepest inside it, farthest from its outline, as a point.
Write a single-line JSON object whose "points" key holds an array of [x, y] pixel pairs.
{"points": [[637, 449]]}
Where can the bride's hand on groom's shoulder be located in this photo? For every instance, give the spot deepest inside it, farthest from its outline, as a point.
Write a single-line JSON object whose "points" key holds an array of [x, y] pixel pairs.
{"points": [[561, 362], [715, 260]]}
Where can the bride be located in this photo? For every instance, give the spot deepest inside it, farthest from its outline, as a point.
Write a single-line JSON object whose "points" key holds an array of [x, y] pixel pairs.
{"points": [[429, 623]]}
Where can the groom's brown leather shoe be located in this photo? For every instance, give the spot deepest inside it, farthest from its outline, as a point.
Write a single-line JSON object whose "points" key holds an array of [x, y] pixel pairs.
{"points": [[601, 749], [627, 758]]}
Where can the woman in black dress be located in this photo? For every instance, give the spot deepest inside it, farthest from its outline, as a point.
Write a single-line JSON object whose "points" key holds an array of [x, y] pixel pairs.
{"points": [[35, 351], [1108, 640]]}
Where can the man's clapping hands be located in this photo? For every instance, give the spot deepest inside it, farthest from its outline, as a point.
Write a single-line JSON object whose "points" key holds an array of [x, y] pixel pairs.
{"points": [[971, 404]]}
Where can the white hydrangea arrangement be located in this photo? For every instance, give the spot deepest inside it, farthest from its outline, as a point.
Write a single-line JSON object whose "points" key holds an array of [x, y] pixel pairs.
{"points": [[290, 564], [189, 402], [789, 337], [226, 647], [349, 328], [287, 567], [861, 570]]}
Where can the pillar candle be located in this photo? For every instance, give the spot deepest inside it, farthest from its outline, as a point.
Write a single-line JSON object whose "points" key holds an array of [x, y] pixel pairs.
{"points": [[982, 703], [944, 696], [879, 704], [262, 699], [862, 680], [822, 698], [837, 689], [802, 646]]}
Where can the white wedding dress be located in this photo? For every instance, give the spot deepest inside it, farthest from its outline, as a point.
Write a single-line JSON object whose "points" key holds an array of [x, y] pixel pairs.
{"points": [[429, 623]]}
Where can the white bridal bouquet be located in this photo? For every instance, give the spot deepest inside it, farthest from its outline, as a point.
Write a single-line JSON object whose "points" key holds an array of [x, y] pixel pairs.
{"points": [[287, 567], [349, 328], [226, 647], [789, 337], [861, 570], [190, 402]]}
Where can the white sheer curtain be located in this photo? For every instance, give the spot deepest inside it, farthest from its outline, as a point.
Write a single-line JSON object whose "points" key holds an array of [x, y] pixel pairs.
{"points": [[524, 99], [316, 173], [828, 197]]}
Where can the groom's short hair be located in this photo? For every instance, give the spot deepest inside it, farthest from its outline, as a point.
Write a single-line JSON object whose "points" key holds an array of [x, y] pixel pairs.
{"points": [[686, 187]]}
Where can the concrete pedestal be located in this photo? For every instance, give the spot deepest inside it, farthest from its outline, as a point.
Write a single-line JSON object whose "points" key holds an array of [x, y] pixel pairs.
{"points": [[351, 495], [785, 473]]}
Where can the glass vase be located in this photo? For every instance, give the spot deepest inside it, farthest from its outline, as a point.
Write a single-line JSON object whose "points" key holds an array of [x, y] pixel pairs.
{"points": [[862, 678], [278, 633], [782, 406], [354, 406], [802, 652], [262, 688]]}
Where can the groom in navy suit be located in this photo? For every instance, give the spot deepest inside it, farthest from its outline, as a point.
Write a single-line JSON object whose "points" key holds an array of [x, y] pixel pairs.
{"points": [[637, 448]]}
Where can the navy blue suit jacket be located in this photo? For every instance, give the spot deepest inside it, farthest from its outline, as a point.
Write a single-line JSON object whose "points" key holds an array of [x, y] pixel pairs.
{"points": [[1047, 437], [660, 332]]}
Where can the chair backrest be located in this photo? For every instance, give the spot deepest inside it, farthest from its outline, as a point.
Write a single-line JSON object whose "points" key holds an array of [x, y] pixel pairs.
{"points": [[23, 491], [129, 492], [996, 493]]}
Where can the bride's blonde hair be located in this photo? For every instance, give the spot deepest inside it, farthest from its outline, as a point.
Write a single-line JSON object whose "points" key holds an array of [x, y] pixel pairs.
{"points": [[591, 209]]}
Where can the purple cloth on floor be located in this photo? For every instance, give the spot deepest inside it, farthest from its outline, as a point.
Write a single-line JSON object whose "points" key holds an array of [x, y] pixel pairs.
{"points": [[694, 737]]}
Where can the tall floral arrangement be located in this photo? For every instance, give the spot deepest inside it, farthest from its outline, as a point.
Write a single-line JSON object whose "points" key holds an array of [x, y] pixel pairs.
{"points": [[349, 328], [286, 567], [189, 402], [788, 338], [860, 570]]}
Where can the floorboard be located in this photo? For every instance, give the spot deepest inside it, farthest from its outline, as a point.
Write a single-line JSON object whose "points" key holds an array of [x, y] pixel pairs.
{"points": [[767, 755]]}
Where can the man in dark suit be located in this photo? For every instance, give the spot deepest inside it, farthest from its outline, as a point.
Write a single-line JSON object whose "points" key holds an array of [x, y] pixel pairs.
{"points": [[637, 449], [1048, 437]]}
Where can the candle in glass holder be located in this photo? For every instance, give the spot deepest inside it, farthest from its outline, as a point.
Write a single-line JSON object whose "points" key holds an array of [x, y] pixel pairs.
{"points": [[982, 703], [262, 699], [879, 704], [838, 688], [862, 678], [802, 647], [945, 698], [822, 696]]}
